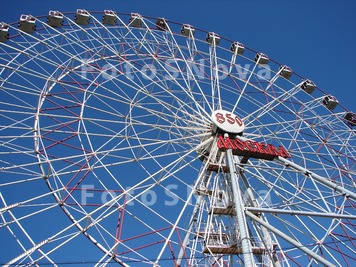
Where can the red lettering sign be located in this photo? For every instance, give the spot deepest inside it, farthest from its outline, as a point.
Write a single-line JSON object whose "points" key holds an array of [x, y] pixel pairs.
{"points": [[251, 148]]}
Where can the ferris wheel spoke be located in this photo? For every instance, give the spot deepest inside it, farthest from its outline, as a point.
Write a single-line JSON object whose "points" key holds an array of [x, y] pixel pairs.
{"points": [[30, 202], [288, 196], [304, 194], [141, 158], [244, 88], [290, 240], [320, 179], [175, 225], [151, 176], [301, 141], [302, 213], [137, 39], [16, 220], [146, 207], [154, 143], [89, 46], [188, 66], [43, 58], [180, 101], [288, 94], [215, 86], [150, 94], [93, 223]]}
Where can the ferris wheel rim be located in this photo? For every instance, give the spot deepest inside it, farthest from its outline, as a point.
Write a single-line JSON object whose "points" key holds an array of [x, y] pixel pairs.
{"points": [[87, 136]]}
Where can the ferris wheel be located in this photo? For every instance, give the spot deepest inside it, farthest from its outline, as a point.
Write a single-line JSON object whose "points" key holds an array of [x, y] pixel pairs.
{"points": [[139, 141]]}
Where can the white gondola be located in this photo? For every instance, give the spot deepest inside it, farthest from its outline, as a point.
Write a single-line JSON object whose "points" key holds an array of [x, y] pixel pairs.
{"points": [[135, 20], [82, 17], [237, 48], [27, 23], [187, 30], [109, 17], [4, 32], [308, 86], [285, 71], [212, 38], [330, 102], [261, 58], [55, 19], [350, 119], [161, 24]]}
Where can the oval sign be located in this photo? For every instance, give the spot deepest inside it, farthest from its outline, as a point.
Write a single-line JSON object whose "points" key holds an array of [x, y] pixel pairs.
{"points": [[227, 121]]}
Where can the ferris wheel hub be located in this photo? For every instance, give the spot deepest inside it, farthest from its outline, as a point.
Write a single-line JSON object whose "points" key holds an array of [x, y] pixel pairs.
{"points": [[227, 122]]}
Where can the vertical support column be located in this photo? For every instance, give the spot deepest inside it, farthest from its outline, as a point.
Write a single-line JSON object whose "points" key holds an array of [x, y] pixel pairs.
{"points": [[189, 230], [239, 207]]}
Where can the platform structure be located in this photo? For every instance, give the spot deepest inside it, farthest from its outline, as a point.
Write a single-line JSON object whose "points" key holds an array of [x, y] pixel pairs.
{"points": [[225, 240], [222, 196]]}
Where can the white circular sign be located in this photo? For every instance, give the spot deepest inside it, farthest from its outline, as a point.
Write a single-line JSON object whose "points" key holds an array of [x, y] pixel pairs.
{"points": [[227, 121]]}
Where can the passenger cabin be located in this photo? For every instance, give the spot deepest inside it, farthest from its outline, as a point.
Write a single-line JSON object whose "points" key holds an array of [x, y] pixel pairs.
{"points": [[330, 102], [187, 30], [4, 32], [27, 23], [82, 17], [109, 17], [308, 86], [261, 58], [55, 19], [285, 71], [350, 119], [135, 20], [213, 38], [161, 24], [237, 48]]}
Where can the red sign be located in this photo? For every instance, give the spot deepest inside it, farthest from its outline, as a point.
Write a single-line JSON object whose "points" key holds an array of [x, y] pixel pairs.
{"points": [[252, 149]]}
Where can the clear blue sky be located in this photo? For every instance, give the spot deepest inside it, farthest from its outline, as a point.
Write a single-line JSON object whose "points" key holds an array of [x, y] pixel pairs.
{"points": [[316, 38]]}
